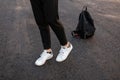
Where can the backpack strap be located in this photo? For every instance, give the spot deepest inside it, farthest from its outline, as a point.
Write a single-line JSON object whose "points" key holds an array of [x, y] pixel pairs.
{"points": [[75, 34], [84, 8]]}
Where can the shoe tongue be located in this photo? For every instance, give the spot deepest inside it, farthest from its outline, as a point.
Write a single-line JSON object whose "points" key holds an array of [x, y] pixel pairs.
{"points": [[47, 51], [64, 47]]}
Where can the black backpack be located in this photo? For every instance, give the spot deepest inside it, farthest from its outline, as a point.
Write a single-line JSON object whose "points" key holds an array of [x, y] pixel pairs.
{"points": [[85, 28]]}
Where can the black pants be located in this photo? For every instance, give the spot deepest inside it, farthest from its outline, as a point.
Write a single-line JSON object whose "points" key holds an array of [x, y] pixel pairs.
{"points": [[46, 14]]}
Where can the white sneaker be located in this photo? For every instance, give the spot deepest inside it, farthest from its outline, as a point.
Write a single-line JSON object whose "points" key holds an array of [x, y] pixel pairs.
{"points": [[43, 58], [64, 52]]}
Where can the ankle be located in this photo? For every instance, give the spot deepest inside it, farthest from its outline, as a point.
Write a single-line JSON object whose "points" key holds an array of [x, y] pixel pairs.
{"points": [[48, 50], [67, 45]]}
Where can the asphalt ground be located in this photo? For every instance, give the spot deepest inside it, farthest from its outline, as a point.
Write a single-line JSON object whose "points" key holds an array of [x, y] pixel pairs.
{"points": [[97, 58]]}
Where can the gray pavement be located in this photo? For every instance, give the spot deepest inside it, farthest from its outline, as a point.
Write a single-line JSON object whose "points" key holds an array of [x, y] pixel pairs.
{"points": [[93, 59]]}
